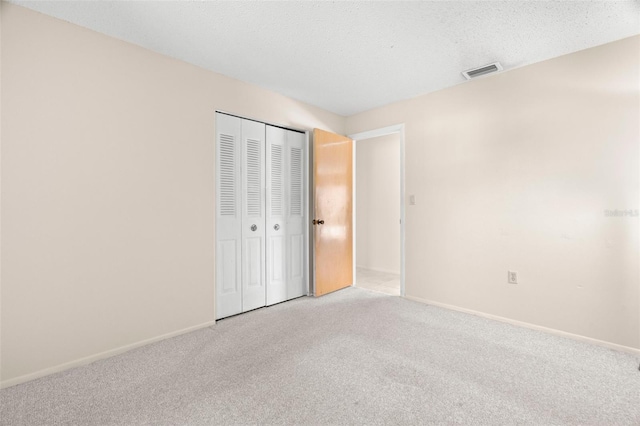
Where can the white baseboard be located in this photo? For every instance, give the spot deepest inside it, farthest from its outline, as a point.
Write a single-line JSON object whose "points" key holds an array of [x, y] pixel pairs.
{"points": [[553, 331], [102, 355]]}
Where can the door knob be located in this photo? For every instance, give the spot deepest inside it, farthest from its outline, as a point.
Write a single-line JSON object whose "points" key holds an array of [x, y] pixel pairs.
{"points": [[254, 227], [318, 222], [276, 226]]}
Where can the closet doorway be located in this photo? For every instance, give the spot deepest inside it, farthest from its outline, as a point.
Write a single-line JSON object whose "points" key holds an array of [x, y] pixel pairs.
{"points": [[379, 210], [261, 214]]}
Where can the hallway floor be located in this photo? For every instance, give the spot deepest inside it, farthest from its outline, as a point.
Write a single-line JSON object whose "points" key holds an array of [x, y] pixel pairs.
{"points": [[382, 282]]}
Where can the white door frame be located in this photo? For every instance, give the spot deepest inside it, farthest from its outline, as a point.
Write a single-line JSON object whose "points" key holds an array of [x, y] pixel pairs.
{"points": [[399, 129]]}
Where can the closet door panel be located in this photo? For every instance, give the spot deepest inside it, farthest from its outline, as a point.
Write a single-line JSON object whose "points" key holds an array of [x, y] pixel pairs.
{"points": [[297, 283], [228, 217], [276, 215], [253, 220]]}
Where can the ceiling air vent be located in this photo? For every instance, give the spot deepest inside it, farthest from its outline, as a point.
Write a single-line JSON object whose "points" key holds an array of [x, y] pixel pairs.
{"points": [[477, 72]]}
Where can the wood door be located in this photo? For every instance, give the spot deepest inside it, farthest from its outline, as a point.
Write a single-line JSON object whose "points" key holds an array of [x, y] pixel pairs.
{"points": [[333, 235]]}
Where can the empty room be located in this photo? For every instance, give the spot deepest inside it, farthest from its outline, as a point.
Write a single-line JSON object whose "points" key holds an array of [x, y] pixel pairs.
{"points": [[315, 212]]}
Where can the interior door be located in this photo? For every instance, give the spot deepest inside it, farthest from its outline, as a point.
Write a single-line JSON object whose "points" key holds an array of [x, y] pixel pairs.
{"points": [[228, 217], [297, 283], [276, 215], [333, 189], [261, 215], [286, 213], [253, 221]]}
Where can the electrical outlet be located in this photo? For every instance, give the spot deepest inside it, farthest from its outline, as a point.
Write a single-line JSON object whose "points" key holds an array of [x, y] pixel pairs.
{"points": [[512, 277]]}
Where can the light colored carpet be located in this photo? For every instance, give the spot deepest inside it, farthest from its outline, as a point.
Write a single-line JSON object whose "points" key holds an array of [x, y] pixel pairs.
{"points": [[382, 282], [352, 357]]}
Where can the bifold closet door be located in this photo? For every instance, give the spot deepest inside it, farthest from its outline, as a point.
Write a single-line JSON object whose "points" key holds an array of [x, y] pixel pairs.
{"points": [[261, 255], [286, 208], [240, 218], [228, 216], [298, 283], [276, 215], [253, 218]]}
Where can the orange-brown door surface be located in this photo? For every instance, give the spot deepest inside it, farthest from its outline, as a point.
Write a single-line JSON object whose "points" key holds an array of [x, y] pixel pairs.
{"points": [[333, 236]]}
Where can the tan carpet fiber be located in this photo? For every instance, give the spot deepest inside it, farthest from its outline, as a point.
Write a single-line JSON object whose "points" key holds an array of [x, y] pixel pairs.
{"points": [[352, 357]]}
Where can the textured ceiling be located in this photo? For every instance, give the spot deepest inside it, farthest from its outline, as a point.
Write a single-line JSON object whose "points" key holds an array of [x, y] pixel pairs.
{"points": [[348, 57]]}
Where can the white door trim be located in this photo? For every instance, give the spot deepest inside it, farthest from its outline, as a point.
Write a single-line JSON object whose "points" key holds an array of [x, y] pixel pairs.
{"points": [[399, 129]]}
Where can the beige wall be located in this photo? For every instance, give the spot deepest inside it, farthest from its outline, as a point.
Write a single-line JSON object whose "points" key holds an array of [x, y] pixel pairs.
{"points": [[378, 203], [108, 190], [515, 171]]}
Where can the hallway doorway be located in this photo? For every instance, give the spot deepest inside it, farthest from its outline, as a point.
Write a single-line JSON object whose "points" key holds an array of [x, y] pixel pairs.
{"points": [[378, 213]]}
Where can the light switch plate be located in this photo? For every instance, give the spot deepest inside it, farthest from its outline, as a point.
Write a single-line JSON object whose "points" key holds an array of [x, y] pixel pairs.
{"points": [[412, 200]]}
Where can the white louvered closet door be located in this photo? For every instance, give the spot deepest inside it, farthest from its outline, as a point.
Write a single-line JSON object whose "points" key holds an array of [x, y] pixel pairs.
{"points": [[286, 209], [253, 220], [297, 281], [276, 215], [261, 254], [228, 217]]}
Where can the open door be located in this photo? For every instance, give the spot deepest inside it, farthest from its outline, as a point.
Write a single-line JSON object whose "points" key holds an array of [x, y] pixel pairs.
{"points": [[332, 223]]}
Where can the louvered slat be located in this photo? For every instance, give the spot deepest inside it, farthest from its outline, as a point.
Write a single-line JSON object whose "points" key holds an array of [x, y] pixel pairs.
{"points": [[227, 176], [254, 171], [276, 180], [296, 182]]}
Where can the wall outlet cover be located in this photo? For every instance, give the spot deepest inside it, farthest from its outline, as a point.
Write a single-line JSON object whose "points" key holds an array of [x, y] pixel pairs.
{"points": [[512, 277]]}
